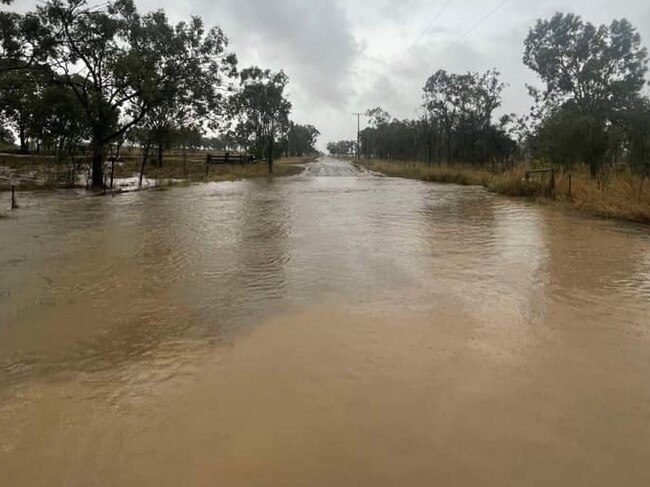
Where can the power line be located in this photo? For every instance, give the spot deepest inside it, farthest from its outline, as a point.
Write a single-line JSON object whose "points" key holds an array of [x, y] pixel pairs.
{"points": [[442, 10], [358, 115], [485, 18]]}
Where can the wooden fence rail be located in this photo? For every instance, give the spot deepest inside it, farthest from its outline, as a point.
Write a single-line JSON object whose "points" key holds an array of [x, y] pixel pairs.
{"points": [[551, 183], [228, 158]]}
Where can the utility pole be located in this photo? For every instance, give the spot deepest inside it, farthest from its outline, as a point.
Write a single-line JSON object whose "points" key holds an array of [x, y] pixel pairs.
{"points": [[358, 134]]}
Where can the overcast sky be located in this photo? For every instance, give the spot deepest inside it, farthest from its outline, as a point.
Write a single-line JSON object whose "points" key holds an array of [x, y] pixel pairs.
{"points": [[344, 56]]}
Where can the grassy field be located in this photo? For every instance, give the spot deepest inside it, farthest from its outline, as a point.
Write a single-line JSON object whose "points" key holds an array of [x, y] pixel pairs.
{"points": [[42, 172], [620, 196]]}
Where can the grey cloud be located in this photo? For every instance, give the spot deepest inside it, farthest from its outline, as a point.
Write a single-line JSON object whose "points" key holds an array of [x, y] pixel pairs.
{"points": [[343, 56], [312, 41]]}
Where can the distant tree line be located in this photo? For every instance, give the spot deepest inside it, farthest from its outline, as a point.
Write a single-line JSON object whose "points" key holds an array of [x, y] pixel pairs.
{"points": [[342, 148], [593, 108], [79, 79]]}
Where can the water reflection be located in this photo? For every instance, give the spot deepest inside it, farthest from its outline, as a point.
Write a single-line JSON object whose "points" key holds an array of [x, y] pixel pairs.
{"points": [[122, 297], [229, 254]]}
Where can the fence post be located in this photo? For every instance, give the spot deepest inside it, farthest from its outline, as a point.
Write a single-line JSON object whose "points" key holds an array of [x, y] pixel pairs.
{"points": [[113, 158], [208, 160], [552, 184], [14, 204], [570, 184]]}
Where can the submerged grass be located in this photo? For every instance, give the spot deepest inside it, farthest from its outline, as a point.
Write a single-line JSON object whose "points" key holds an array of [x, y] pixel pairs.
{"points": [[43, 173], [620, 196], [195, 170]]}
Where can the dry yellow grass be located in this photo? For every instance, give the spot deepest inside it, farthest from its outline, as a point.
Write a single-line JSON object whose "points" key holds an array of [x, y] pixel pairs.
{"points": [[621, 196]]}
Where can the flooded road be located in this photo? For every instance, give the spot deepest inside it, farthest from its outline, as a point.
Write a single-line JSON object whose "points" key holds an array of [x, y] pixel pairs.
{"points": [[333, 328]]}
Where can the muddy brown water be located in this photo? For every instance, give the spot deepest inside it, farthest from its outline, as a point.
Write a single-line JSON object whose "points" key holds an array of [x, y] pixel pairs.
{"points": [[334, 328]]}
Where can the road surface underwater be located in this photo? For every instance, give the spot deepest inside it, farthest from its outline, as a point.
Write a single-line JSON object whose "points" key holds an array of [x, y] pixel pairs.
{"points": [[332, 328]]}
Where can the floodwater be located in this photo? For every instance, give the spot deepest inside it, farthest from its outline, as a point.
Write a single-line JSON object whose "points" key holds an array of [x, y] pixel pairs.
{"points": [[333, 328]]}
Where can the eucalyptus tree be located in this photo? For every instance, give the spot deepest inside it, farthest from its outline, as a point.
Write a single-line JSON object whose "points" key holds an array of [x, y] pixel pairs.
{"points": [[637, 124], [39, 111], [462, 106], [440, 101], [301, 139], [197, 100], [6, 136], [378, 116], [342, 147], [391, 138], [260, 110], [59, 123], [20, 96], [591, 74], [118, 63], [21, 40]]}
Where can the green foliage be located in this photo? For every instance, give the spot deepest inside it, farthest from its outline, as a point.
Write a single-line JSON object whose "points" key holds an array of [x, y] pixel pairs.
{"points": [[40, 111], [600, 68], [393, 139], [460, 109], [120, 65], [260, 111], [636, 122], [222, 143], [300, 140], [6, 137], [378, 116], [593, 76], [342, 148], [591, 109], [457, 125], [77, 76], [197, 62], [19, 102], [569, 135]]}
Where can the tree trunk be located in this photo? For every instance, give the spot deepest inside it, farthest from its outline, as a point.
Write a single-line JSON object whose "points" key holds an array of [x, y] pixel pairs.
{"points": [[145, 155], [116, 157], [185, 175], [113, 159], [592, 161], [73, 172], [269, 157], [593, 167], [98, 167], [160, 155], [24, 148], [448, 128]]}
